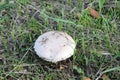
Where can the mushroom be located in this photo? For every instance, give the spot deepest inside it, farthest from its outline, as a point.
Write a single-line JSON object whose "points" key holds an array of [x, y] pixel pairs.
{"points": [[54, 46]]}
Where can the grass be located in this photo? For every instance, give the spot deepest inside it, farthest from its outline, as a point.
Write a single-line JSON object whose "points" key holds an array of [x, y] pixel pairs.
{"points": [[22, 21]]}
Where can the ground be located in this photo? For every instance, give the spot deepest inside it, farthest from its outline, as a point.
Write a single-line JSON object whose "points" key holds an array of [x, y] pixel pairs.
{"points": [[97, 53]]}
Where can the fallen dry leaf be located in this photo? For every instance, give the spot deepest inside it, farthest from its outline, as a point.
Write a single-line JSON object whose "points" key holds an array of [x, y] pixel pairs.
{"points": [[61, 67], [105, 77], [94, 13], [105, 53], [86, 78]]}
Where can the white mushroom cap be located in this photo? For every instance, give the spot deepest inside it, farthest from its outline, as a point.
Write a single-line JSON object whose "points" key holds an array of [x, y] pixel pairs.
{"points": [[54, 46]]}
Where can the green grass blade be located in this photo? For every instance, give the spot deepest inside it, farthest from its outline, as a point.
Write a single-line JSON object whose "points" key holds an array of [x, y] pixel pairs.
{"points": [[101, 2], [112, 69]]}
